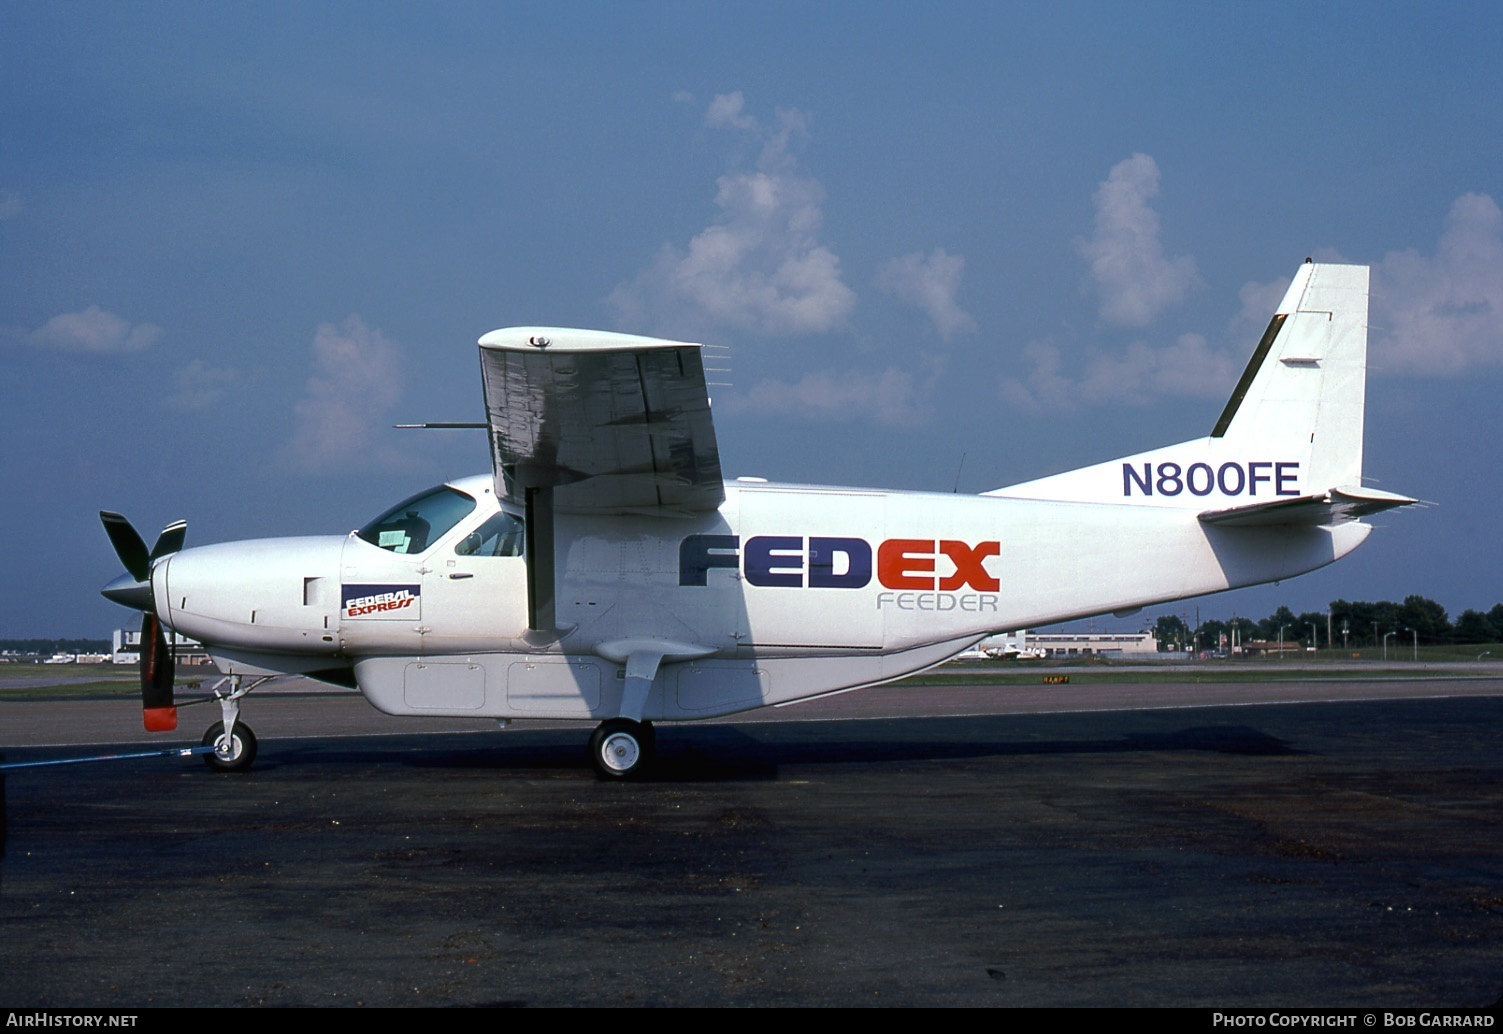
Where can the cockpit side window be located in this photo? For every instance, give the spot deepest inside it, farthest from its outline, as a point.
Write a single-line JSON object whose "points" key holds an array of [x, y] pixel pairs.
{"points": [[414, 524], [499, 536]]}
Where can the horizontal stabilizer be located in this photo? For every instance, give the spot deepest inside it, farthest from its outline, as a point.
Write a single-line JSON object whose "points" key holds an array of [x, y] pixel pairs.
{"points": [[1332, 507]]}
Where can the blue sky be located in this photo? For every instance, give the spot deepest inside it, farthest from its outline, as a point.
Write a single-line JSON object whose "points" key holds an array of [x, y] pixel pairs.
{"points": [[239, 241]]}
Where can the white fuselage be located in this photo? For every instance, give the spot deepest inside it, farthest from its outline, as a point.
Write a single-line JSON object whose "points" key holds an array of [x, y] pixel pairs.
{"points": [[784, 592]]}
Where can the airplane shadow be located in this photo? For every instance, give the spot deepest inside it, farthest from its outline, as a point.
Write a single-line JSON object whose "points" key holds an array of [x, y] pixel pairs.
{"points": [[710, 753]]}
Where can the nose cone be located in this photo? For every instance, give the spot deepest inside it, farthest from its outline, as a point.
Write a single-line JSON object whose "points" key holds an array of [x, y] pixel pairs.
{"points": [[128, 592]]}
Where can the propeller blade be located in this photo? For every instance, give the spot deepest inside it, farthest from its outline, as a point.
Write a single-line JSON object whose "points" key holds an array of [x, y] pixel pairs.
{"points": [[128, 544], [170, 541], [157, 673], [133, 589]]}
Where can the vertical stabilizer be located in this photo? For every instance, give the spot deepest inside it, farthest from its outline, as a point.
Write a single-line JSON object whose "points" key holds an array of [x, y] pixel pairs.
{"points": [[1292, 428], [1304, 388]]}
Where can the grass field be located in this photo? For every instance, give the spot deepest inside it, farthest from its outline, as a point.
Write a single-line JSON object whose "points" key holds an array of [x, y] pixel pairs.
{"points": [[80, 681]]}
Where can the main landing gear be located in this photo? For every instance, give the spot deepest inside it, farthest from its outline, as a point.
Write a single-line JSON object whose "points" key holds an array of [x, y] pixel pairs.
{"points": [[621, 748], [233, 742]]}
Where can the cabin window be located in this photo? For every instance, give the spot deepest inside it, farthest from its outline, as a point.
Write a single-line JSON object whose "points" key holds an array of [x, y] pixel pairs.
{"points": [[499, 536], [415, 524]]}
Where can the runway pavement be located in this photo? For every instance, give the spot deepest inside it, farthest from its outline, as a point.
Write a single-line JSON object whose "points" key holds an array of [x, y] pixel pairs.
{"points": [[1263, 844]]}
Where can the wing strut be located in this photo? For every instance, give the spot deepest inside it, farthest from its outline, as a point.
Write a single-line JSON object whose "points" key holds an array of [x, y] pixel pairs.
{"points": [[538, 511], [641, 659], [641, 669]]}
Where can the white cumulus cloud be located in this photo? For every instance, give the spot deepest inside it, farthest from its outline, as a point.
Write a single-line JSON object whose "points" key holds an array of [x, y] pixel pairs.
{"points": [[760, 265], [729, 109], [931, 284], [1133, 279], [1443, 315], [1139, 374], [200, 385], [890, 398], [94, 330], [356, 380]]}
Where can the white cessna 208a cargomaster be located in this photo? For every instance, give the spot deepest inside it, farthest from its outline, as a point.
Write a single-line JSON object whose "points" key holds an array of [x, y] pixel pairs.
{"points": [[604, 571]]}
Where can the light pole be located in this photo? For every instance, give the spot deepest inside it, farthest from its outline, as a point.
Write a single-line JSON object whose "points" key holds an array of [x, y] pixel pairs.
{"points": [[1385, 642], [1281, 642], [1314, 641], [1416, 643]]}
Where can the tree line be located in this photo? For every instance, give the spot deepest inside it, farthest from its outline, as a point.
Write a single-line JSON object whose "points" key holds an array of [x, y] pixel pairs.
{"points": [[1349, 624]]}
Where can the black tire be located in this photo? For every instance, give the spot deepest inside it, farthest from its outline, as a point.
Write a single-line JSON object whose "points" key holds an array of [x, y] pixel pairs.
{"points": [[621, 748], [244, 752]]}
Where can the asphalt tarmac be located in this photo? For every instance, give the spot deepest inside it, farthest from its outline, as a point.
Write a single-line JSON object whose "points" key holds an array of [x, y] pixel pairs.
{"points": [[1296, 844]]}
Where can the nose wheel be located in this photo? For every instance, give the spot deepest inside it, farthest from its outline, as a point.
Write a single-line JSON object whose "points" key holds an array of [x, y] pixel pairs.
{"points": [[233, 753], [622, 748]]}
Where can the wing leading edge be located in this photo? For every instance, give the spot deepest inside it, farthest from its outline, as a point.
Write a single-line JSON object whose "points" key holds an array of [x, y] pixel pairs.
{"points": [[613, 423]]}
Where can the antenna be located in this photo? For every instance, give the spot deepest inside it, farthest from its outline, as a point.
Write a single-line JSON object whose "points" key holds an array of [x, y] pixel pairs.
{"points": [[439, 426]]}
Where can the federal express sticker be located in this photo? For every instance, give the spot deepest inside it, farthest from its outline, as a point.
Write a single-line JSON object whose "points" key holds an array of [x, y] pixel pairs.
{"points": [[380, 601]]}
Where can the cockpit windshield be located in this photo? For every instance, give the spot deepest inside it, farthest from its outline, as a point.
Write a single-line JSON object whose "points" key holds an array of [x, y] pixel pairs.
{"points": [[414, 524]]}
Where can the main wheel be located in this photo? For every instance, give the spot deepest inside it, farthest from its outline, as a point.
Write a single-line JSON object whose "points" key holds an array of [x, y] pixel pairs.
{"points": [[621, 748], [241, 751]]}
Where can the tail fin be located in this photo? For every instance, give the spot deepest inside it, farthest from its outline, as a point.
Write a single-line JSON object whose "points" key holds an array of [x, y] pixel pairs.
{"points": [[1303, 391], [1292, 429]]}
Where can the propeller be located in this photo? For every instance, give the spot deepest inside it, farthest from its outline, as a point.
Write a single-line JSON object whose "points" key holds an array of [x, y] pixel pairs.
{"points": [[133, 589]]}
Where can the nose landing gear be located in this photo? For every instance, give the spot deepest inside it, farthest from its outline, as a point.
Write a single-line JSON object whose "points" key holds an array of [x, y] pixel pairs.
{"points": [[233, 741]]}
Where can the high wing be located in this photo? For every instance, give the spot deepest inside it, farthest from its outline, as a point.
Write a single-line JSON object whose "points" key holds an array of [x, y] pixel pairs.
{"points": [[613, 423]]}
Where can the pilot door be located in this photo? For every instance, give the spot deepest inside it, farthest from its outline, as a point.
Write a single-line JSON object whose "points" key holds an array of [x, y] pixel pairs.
{"points": [[475, 591]]}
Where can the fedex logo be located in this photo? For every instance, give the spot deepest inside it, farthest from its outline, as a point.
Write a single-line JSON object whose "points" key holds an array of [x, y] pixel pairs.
{"points": [[380, 601], [833, 562], [1233, 478]]}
